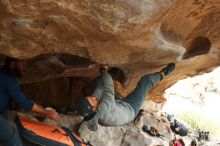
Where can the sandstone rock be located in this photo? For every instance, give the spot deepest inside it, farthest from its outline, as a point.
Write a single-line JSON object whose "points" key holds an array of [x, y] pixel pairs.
{"points": [[71, 122], [107, 136], [159, 122], [60, 93], [150, 105], [133, 137], [137, 36], [130, 134], [126, 135]]}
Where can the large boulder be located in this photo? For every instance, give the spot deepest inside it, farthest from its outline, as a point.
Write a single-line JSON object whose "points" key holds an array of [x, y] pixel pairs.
{"points": [[137, 36]]}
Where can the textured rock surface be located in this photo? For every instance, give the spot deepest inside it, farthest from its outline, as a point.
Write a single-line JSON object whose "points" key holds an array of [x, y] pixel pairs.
{"points": [[130, 134], [127, 135], [104, 136], [61, 93], [138, 36]]}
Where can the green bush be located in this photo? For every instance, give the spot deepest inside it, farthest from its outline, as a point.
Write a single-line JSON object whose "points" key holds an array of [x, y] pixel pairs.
{"points": [[195, 120]]}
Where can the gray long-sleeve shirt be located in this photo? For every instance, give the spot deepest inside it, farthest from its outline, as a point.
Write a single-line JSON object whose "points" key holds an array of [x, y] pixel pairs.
{"points": [[110, 112]]}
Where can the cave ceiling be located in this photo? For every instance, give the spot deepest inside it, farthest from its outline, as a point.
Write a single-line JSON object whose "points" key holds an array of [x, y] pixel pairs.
{"points": [[66, 38]]}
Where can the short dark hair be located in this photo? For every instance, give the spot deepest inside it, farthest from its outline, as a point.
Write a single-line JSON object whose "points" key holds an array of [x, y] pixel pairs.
{"points": [[117, 74], [83, 107]]}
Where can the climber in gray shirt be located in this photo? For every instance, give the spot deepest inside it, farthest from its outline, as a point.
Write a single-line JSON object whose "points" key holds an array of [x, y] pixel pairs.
{"points": [[102, 107]]}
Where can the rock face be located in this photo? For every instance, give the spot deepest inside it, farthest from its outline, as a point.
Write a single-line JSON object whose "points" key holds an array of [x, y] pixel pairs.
{"points": [[60, 93], [140, 37], [127, 135]]}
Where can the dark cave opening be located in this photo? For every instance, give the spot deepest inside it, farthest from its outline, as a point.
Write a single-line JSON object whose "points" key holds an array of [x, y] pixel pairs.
{"points": [[198, 46]]}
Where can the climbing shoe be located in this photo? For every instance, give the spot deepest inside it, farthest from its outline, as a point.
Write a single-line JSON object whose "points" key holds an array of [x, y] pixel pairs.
{"points": [[168, 69]]}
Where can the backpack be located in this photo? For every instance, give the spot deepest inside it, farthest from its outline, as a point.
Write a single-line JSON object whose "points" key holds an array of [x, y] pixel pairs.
{"points": [[179, 128], [47, 135]]}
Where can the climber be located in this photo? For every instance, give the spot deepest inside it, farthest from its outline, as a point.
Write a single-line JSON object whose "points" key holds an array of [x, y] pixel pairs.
{"points": [[10, 90], [118, 78], [102, 107]]}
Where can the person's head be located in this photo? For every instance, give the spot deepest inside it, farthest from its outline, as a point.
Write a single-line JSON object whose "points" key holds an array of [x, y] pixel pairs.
{"points": [[16, 66], [87, 106], [117, 74]]}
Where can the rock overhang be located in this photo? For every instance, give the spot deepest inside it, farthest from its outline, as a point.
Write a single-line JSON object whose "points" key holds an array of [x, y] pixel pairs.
{"points": [[137, 36]]}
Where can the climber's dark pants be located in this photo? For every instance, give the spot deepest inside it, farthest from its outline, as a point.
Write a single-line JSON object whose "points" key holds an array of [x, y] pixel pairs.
{"points": [[8, 134], [137, 97]]}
